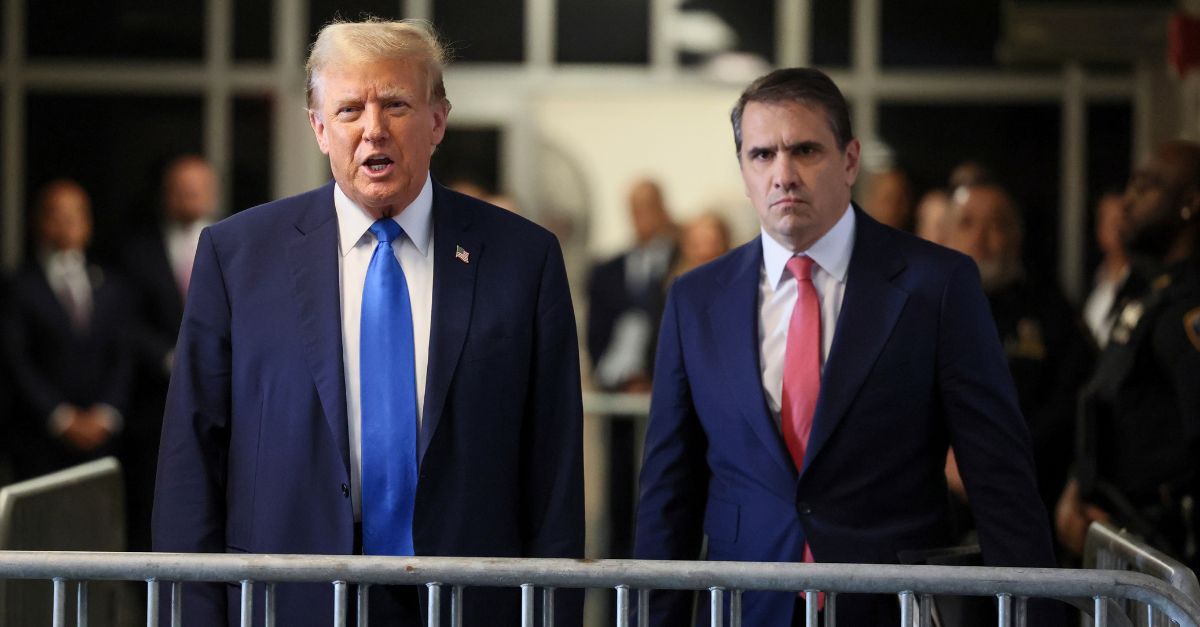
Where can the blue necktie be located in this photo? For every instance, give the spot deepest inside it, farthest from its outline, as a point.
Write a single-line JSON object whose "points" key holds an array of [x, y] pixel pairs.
{"points": [[389, 402]]}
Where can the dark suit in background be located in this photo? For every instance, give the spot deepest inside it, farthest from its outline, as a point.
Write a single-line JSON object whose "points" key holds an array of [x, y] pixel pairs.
{"points": [[51, 362]]}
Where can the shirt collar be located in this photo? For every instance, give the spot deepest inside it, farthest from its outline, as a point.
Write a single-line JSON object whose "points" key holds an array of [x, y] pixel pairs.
{"points": [[831, 253], [416, 219]]}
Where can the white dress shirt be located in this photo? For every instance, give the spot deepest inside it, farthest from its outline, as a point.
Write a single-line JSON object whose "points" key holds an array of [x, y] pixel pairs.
{"points": [[356, 244], [67, 273], [1098, 310], [777, 298], [181, 242]]}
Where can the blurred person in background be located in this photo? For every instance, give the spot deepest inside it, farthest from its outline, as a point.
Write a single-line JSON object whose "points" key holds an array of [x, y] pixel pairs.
{"points": [[701, 240], [1099, 310], [889, 198], [1139, 458], [64, 342], [625, 301], [931, 216], [158, 264], [1048, 352], [968, 173]]}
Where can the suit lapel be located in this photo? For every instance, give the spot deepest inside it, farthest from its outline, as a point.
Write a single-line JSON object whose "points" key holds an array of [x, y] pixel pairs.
{"points": [[453, 298], [870, 308], [733, 316], [312, 256]]}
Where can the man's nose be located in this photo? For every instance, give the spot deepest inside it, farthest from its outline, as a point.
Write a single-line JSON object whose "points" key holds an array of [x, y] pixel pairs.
{"points": [[785, 174], [374, 128]]}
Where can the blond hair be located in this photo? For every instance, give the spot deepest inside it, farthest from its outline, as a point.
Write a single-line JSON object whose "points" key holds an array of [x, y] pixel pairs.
{"points": [[374, 39]]}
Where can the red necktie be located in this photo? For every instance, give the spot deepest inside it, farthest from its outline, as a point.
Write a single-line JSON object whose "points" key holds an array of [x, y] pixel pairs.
{"points": [[801, 367]]}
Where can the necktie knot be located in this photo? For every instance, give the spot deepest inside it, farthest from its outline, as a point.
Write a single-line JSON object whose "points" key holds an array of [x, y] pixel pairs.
{"points": [[386, 230], [801, 267]]}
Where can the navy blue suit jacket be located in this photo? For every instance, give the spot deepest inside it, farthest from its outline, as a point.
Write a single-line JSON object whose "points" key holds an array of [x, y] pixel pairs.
{"points": [[915, 366], [255, 453]]}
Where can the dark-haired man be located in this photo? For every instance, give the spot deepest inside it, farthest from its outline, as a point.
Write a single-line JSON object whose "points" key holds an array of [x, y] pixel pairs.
{"points": [[807, 384]]}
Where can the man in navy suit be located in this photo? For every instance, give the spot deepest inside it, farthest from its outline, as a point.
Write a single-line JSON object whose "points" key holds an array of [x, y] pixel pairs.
{"points": [[807, 385], [64, 343], [280, 366]]}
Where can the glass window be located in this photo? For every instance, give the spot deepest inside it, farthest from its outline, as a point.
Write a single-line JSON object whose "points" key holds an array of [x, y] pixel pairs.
{"points": [[494, 32], [587, 30], [939, 33], [831, 33], [117, 29], [118, 161], [1018, 142], [710, 27], [469, 155], [1110, 150], [252, 31], [251, 170]]}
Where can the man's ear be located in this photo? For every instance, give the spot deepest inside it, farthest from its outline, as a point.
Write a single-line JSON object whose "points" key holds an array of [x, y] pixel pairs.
{"points": [[853, 153], [441, 113], [318, 127]]}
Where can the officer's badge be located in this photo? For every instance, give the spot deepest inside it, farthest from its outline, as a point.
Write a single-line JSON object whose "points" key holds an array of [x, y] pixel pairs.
{"points": [[1191, 324], [1029, 343], [1127, 321]]}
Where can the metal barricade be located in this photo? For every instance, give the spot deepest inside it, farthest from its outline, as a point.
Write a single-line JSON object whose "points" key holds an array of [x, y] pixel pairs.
{"points": [[912, 585], [1109, 548]]}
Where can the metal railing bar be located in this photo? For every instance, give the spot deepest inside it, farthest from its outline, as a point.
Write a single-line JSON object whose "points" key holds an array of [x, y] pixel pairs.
{"points": [[925, 610], [81, 604], [526, 605], [812, 600], [176, 604], [362, 603], [735, 608], [1004, 611], [622, 606], [643, 607], [247, 603], [548, 607], [269, 605], [435, 604], [1100, 612], [456, 606], [906, 609], [59, 612], [151, 602], [716, 599], [831, 609], [1021, 611], [339, 603]]}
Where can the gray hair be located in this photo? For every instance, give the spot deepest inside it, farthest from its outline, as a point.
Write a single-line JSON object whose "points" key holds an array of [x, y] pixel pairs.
{"points": [[374, 39]]}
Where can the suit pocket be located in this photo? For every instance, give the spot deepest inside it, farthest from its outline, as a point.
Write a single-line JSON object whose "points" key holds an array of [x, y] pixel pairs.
{"points": [[721, 521]]}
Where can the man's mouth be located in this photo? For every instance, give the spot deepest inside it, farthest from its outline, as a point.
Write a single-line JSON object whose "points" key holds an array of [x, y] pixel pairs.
{"points": [[377, 164]]}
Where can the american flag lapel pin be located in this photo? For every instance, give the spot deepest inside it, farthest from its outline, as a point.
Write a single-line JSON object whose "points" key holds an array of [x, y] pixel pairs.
{"points": [[462, 255]]}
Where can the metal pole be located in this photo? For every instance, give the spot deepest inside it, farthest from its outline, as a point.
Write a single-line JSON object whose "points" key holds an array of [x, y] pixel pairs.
{"points": [[526, 605], [717, 612], [247, 603], [1021, 612], [81, 604], [176, 603], [547, 607], [60, 602], [152, 603], [1004, 612], [339, 604], [364, 592], [622, 606], [735, 608], [811, 606], [644, 607], [269, 605], [925, 611], [906, 608], [435, 603], [830, 609], [456, 606], [1100, 612]]}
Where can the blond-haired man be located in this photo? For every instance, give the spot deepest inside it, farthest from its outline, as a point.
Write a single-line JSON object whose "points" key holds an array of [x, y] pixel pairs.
{"points": [[380, 365]]}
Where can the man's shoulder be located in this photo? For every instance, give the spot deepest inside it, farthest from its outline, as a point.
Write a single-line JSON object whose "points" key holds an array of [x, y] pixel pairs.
{"points": [[275, 215], [743, 262], [499, 225]]}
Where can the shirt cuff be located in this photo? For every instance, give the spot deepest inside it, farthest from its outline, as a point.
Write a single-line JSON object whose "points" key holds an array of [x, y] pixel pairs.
{"points": [[112, 419]]}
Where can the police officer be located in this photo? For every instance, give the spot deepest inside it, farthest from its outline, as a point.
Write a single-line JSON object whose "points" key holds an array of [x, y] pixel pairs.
{"points": [[1048, 351], [1140, 415]]}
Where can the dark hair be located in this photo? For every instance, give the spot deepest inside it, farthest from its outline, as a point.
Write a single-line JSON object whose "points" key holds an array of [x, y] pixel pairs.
{"points": [[807, 86]]}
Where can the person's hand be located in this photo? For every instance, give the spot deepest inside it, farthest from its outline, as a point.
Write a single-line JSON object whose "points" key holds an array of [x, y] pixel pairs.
{"points": [[1073, 516], [953, 478], [88, 429]]}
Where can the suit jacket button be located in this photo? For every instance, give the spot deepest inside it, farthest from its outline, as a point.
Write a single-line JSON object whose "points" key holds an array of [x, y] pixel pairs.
{"points": [[804, 508], [345, 490]]}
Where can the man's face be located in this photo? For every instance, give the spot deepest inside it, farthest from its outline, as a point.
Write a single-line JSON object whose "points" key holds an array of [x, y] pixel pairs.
{"points": [[983, 226], [66, 219], [190, 191], [648, 212], [1154, 198], [375, 121], [1111, 224], [795, 175]]}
